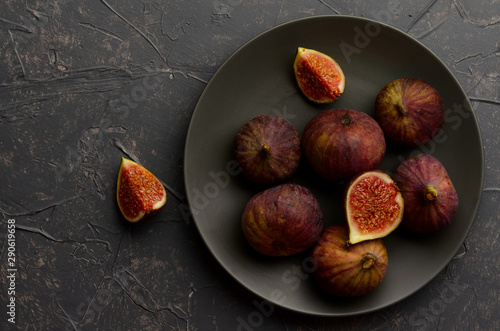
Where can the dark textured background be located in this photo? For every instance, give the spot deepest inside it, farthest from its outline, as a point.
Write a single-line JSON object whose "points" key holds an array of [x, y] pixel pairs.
{"points": [[86, 82]]}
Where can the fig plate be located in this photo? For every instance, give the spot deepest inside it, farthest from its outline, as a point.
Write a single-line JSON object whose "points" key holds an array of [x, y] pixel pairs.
{"points": [[241, 90]]}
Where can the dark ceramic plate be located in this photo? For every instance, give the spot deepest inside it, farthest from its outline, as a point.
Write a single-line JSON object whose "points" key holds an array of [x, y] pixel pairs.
{"points": [[258, 79]]}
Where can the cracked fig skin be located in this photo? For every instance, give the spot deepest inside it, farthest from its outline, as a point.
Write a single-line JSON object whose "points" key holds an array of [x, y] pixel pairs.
{"points": [[139, 193], [319, 76]]}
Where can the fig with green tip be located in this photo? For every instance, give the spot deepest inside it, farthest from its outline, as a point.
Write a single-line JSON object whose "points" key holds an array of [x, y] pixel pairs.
{"points": [[431, 201]]}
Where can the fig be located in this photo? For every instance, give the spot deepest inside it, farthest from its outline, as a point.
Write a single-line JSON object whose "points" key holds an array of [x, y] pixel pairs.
{"points": [[268, 149], [282, 220], [139, 193], [319, 76], [409, 111], [340, 143], [431, 201], [348, 270], [373, 206]]}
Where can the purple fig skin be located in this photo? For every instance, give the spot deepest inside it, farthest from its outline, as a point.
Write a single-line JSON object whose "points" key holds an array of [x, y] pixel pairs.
{"points": [[283, 220], [431, 201], [409, 111], [268, 150], [341, 143], [348, 270]]}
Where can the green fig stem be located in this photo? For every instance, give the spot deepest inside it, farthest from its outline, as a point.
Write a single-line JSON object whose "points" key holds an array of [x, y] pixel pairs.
{"points": [[430, 193], [368, 261]]}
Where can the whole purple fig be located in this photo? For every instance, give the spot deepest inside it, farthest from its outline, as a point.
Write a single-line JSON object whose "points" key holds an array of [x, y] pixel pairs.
{"points": [[348, 270], [283, 220], [267, 149], [409, 111], [341, 143], [431, 201]]}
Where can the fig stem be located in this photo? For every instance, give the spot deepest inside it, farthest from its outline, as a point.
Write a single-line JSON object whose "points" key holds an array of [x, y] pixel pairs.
{"points": [[430, 193], [265, 150], [368, 261], [401, 110], [346, 120]]}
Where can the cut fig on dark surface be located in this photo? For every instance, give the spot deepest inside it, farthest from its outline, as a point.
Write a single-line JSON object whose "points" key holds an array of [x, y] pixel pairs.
{"points": [[340, 143], [348, 270], [374, 207], [267, 148], [139, 193], [319, 76], [431, 201], [409, 111]]}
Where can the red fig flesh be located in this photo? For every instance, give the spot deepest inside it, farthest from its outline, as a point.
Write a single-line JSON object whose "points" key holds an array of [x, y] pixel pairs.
{"points": [[139, 193], [319, 76], [373, 205]]}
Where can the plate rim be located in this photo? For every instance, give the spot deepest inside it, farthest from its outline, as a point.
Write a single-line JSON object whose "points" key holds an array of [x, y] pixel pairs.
{"points": [[365, 20]]}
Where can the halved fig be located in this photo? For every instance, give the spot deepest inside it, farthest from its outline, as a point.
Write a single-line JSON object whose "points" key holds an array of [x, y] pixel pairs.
{"points": [[348, 270], [319, 76], [431, 201], [139, 193], [373, 206]]}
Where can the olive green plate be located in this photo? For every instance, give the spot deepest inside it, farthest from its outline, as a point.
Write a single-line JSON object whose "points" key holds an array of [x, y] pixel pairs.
{"points": [[258, 79]]}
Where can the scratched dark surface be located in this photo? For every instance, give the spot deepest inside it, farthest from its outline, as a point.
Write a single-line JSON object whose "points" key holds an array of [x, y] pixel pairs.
{"points": [[83, 83]]}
